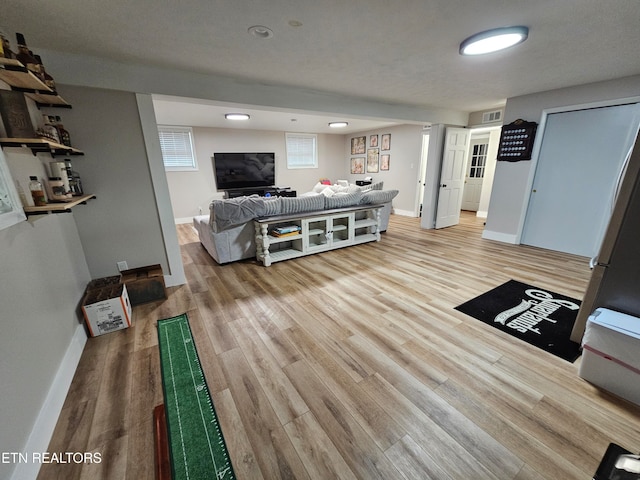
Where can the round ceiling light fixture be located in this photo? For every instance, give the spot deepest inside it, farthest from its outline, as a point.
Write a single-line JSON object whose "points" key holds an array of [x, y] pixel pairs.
{"points": [[338, 124], [493, 40], [260, 31], [237, 116]]}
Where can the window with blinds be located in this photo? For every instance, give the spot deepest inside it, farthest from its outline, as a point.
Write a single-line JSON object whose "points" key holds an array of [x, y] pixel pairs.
{"points": [[302, 150], [177, 148]]}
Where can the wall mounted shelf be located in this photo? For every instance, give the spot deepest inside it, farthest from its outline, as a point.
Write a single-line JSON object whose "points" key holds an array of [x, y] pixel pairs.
{"points": [[19, 78], [40, 145], [60, 207]]}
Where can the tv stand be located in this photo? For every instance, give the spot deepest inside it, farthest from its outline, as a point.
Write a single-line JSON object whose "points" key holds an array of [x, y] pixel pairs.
{"points": [[262, 191]]}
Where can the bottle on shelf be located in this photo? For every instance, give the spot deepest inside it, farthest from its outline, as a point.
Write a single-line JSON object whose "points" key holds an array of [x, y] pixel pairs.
{"points": [[37, 192], [75, 183], [5, 46], [46, 78], [65, 139], [25, 57]]}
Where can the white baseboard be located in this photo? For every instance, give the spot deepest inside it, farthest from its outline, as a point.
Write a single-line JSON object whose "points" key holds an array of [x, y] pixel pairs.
{"points": [[404, 213], [499, 237], [179, 221], [45, 424], [482, 214]]}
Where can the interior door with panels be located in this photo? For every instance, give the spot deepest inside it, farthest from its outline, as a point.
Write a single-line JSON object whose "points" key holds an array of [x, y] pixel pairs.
{"points": [[452, 176]]}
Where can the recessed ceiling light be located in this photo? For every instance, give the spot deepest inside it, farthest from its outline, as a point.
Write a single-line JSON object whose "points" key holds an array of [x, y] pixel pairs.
{"points": [[338, 124], [493, 40], [260, 31], [236, 116]]}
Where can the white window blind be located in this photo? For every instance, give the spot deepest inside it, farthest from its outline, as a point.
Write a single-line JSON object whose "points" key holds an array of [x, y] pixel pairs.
{"points": [[177, 148], [302, 150]]}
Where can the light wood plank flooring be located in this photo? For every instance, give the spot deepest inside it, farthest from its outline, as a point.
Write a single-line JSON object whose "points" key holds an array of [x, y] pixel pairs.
{"points": [[354, 364]]}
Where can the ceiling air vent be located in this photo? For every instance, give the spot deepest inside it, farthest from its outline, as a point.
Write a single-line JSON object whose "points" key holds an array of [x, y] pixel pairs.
{"points": [[489, 117]]}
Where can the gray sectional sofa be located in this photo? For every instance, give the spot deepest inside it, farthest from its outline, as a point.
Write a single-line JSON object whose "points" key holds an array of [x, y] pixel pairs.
{"points": [[228, 232]]}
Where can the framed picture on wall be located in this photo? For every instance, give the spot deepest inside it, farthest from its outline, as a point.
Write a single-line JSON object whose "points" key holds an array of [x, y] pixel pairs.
{"points": [[357, 165], [11, 211], [373, 141], [384, 161], [386, 142], [372, 160], [358, 145]]}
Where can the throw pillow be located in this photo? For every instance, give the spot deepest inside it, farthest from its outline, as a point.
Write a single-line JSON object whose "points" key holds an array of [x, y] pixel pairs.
{"points": [[374, 197], [301, 204], [235, 211], [343, 200]]}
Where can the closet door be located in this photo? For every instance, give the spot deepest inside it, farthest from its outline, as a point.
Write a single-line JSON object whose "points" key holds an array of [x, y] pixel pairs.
{"points": [[581, 158]]}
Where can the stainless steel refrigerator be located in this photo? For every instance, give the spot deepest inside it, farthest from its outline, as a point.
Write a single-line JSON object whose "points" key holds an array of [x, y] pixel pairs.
{"points": [[615, 280]]}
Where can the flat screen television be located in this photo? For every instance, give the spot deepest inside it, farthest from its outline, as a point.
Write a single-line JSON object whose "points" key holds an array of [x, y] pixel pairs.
{"points": [[244, 170]]}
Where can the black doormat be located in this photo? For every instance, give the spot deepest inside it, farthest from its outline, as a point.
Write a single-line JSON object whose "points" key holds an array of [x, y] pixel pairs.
{"points": [[539, 317]]}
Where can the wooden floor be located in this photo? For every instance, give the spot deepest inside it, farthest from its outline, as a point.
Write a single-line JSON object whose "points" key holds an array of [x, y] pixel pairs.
{"points": [[354, 364]]}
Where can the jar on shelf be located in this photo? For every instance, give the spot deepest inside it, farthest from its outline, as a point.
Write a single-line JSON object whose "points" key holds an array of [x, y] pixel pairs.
{"points": [[37, 192]]}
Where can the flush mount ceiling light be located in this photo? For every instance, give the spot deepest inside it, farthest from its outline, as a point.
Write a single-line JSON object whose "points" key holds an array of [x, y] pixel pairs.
{"points": [[260, 31], [338, 124], [493, 40], [236, 116]]}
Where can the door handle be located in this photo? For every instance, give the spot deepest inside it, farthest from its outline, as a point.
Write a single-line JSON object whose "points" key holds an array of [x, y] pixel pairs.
{"points": [[443, 186]]}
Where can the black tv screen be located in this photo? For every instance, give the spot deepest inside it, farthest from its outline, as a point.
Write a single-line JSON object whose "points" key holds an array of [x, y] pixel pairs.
{"points": [[244, 170]]}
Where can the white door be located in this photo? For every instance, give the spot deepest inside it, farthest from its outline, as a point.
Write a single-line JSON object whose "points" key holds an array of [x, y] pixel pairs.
{"points": [[476, 165], [452, 176], [580, 160]]}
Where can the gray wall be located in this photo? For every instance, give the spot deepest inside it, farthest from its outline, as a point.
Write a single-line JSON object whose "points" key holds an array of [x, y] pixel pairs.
{"points": [[404, 166], [193, 190], [122, 223], [510, 193], [43, 278]]}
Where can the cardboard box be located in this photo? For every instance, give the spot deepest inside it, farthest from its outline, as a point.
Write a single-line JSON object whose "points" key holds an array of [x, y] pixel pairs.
{"points": [[107, 309], [145, 284], [610, 357]]}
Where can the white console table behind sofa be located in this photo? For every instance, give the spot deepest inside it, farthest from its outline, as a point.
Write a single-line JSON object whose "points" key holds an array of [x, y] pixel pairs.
{"points": [[318, 232]]}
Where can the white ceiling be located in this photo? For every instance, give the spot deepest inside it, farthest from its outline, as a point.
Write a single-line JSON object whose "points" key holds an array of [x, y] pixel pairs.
{"points": [[403, 52], [201, 113]]}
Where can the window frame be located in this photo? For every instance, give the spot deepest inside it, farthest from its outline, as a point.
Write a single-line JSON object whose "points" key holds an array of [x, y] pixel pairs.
{"points": [[193, 165], [306, 136]]}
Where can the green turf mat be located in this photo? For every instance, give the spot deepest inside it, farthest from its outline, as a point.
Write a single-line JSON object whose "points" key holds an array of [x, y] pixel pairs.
{"points": [[196, 444]]}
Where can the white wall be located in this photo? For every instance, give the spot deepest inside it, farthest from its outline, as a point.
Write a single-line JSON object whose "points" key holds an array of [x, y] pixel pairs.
{"points": [[191, 191], [404, 168], [512, 181], [489, 171]]}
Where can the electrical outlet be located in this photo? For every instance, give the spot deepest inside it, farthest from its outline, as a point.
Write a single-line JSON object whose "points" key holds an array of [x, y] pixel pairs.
{"points": [[123, 266]]}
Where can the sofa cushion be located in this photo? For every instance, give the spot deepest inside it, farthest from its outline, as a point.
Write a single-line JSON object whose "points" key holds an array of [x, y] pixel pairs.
{"points": [[235, 211], [378, 196], [301, 204], [272, 206], [341, 200]]}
